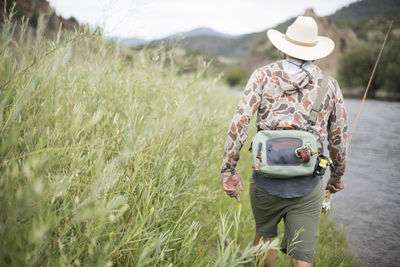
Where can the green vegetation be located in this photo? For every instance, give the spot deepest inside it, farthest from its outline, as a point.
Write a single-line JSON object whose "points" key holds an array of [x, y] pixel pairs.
{"points": [[236, 77], [367, 9], [109, 157], [356, 64], [389, 71], [370, 19]]}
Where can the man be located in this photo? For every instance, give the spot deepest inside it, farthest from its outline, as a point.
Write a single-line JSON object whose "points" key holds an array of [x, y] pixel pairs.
{"points": [[283, 93]]}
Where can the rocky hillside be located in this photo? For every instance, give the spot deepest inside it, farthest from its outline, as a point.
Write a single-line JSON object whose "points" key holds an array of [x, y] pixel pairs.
{"points": [[342, 38], [32, 9]]}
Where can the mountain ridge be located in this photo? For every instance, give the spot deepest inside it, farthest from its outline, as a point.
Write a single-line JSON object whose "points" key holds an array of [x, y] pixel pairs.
{"points": [[201, 31], [196, 32]]}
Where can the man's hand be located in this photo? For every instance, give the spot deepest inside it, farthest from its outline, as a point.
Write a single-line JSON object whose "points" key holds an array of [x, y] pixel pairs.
{"points": [[229, 183], [334, 186]]}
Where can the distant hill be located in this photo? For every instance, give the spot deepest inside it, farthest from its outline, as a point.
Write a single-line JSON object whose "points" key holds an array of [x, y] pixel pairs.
{"points": [[212, 43], [208, 41], [369, 18], [202, 31], [367, 9], [128, 42], [217, 46], [194, 39]]}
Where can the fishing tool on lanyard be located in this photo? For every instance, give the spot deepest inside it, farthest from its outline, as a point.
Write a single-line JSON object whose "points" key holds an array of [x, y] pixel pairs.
{"points": [[326, 202], [304, 153]]}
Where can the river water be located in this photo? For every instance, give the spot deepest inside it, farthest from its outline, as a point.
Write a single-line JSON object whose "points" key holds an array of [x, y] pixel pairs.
{"points": [[369, 206]]}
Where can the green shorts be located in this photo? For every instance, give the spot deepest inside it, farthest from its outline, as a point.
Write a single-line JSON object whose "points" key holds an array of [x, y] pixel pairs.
{"points": [[298, 213]]}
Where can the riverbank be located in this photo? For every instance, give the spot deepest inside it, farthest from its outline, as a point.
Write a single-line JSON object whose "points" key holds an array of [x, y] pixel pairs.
{"points": [[353, 93], [358, 93]]}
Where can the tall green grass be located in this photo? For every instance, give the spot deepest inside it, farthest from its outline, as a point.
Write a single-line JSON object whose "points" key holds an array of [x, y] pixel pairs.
{"points": [[111, 157]]}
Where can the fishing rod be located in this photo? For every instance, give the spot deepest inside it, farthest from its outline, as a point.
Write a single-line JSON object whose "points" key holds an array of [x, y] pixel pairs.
{"points": [[369, 83], [326, 203]]}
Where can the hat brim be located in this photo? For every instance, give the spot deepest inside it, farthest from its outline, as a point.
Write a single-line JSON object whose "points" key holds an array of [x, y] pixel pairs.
{"points": [[322, 49]]}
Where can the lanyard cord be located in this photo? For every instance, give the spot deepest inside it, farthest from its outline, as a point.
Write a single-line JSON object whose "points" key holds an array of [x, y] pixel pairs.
{"points": [[369, 83], [308, 74], [283, 56]]}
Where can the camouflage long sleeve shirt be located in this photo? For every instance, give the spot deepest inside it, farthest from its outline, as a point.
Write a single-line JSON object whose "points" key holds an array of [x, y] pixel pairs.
{"points": [[277, 100]]}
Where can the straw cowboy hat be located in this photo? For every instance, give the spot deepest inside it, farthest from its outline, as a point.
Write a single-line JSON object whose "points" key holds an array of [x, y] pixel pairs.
{"points": [[301, 40]]}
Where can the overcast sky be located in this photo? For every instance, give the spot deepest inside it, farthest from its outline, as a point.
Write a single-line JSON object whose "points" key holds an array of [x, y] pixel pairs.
{"points": [[158, 18]]}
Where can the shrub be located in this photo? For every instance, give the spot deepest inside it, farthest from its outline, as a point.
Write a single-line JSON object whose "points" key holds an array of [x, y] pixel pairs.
{"points": [[355, 65], [388, 71], [235, 77]]}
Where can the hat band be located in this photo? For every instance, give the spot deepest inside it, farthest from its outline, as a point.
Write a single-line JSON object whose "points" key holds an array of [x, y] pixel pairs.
{"points": [[300, 43]]}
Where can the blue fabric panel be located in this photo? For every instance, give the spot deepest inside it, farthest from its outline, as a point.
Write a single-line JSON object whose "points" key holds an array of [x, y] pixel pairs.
{"points": [[280, 151], [287, 188]]}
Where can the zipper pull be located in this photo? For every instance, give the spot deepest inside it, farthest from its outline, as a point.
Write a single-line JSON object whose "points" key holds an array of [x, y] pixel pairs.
{"points": [[269, 147], [259, 151]]}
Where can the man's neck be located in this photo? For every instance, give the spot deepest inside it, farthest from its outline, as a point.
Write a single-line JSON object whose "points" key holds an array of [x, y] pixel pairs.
{"points": [[300, 61]]}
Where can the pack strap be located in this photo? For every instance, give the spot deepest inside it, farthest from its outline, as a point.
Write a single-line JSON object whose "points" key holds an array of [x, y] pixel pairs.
{"points": [[318, 101], [284, 127]]}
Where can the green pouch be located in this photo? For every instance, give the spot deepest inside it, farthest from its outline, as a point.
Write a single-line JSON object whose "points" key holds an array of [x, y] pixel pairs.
{"points": [[276, 153], [281, 153]]}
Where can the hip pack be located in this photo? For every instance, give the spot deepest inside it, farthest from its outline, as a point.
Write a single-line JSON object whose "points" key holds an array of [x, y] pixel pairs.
{"points": [[289, 153]]}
